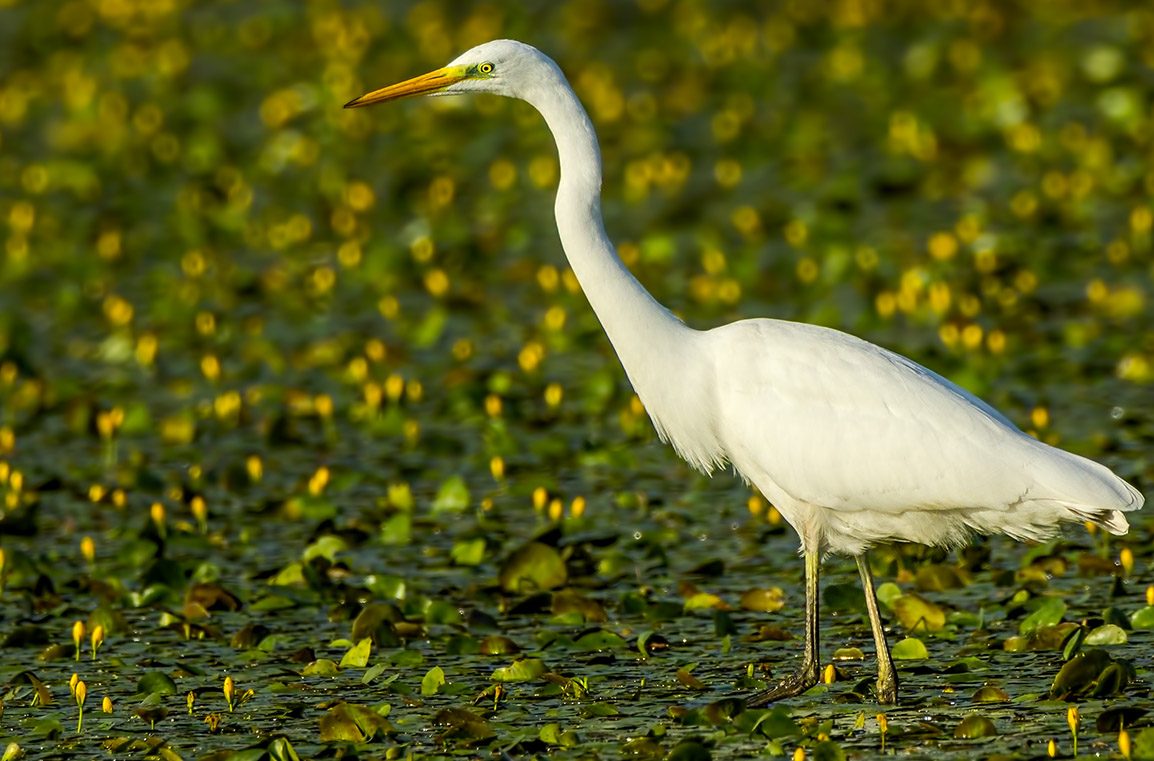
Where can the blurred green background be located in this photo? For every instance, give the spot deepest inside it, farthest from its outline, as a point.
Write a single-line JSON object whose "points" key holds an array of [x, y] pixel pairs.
{"points": [[218, 285]]}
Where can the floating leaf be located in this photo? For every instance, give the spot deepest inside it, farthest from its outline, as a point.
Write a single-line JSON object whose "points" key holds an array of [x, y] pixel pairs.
{"points": [[533, 567], [1111, 720], [27, 635], [1143, 743], [690, 681], [973, 727], [452, 497], [990, 694], [916, 613], [321, 667], [689, 750], [1112, 681], [523, 670], [279, 749], [155, 683], [773, 723], [376, 622], [887, 592], [496, 644], [357, 656], [568, 601], [433, 681], [468, 551], [763, 600], [211, 596], [598, 709], [828, 750], [704, 601], [600, 639], [1107, 634], [910, 649], [346, 722], [1143, 618], [1047, 611], [1083, 673], [249, 636], [463, 725], [937, 578], [644, 748], [650, 642], [397, 530], [42, 696], [552, 734]]}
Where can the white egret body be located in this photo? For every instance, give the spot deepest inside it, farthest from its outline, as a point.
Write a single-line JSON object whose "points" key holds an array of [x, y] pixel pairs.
{"points": [[853, 444]]}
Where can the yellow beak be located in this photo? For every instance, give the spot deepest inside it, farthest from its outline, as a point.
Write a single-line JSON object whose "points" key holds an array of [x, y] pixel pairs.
{"points": [[433, 82]]}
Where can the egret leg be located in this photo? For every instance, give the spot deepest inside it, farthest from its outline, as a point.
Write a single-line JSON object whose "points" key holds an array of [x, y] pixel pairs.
{"points": [[807, 676], [887, 676]]}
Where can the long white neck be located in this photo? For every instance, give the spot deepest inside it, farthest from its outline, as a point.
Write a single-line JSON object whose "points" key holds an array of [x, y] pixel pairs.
{"points": [[658, 351], [632, 318]]}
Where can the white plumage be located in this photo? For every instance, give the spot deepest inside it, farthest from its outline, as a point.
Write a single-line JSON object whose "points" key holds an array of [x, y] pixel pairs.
{"points": [[853, 444]]}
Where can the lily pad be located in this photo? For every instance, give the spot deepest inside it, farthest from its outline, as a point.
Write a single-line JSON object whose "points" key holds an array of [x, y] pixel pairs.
{"points": [[346, 722], [916, 613], [763, 600], [1047, 611], [1107, 634], [909, 649], [975, 726], [433, 681], [357, 656], [1090, 672], [533, 567], [523, 670], [463, 726]]}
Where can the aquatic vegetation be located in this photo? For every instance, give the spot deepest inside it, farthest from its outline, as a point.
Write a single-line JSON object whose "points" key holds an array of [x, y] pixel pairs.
{"points": [[278, 408]]}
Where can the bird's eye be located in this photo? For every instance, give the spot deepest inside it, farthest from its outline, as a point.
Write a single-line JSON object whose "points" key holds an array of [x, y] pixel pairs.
{"points": [[485, 68]]}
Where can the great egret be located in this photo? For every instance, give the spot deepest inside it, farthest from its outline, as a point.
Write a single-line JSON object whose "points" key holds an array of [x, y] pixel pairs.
{"points": [[853, 444]]}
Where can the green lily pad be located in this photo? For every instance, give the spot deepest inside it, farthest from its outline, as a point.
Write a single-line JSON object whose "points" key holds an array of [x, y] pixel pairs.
{"points": [[497, 644], [1089, 672], [567, 602], [600, 639], [1143, 618], [887, 592], [155, 683], [763, 600], [689, 750], [916, 613], [973, 727], [468, 551], [1106, 634], [910, 649], [532, 568], [990, 694], [771, 723], [937, 578], [376, 622], [523, 670], [321, 667], [828, 750], [462, 725], [346, 722], [1047, 611], [433, 681], [452, 497], [357, 656]]}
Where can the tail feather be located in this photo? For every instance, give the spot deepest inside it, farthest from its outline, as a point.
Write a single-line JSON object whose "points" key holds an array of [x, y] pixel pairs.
{"points": [[1113, 521]]}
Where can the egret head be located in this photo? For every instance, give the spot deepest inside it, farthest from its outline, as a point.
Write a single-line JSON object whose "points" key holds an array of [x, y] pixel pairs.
{"points": [[502, 67]]}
